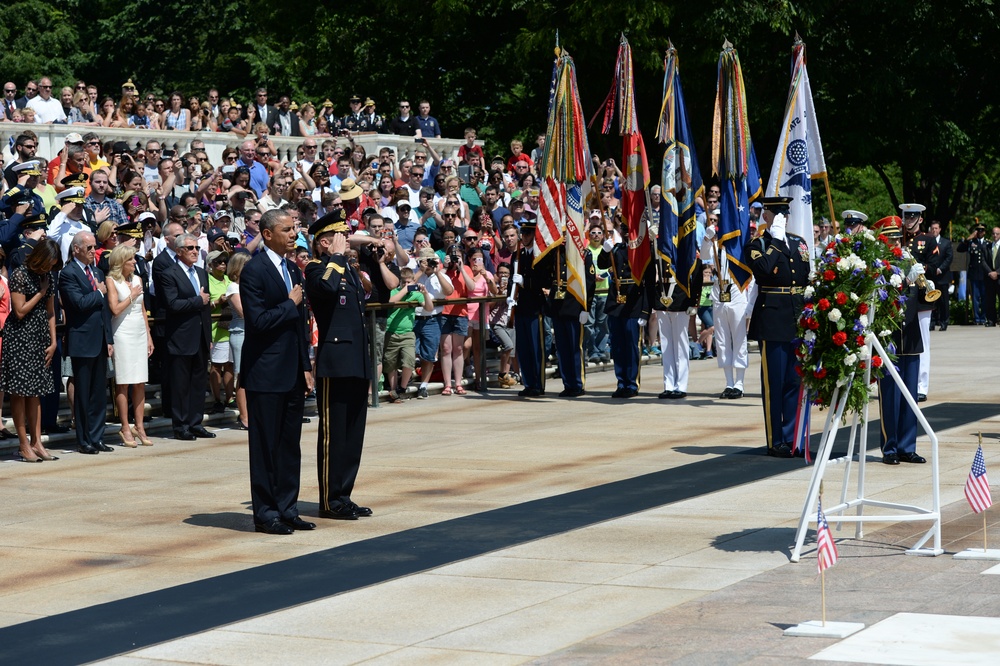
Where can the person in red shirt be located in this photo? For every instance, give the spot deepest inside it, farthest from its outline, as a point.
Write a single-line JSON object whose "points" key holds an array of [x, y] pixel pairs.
{"points": [[470, 147], [518, 155]]}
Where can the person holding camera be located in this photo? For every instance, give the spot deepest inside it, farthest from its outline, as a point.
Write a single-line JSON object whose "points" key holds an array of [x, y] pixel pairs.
{"points": [[427, 326], [400, 341], [455, 321]]}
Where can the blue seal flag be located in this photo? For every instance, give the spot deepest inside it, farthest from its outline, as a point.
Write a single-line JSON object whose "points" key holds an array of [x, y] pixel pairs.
{"points": [[681, 179]]}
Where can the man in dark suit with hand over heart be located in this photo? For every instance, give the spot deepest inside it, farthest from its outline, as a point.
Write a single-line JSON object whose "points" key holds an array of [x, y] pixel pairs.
{"points": [[275, 373]]}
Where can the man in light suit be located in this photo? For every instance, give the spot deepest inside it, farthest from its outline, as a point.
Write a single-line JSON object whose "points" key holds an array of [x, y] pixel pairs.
{"points": [[183, 287], [275, 373], [342, 366], [88, 340]]}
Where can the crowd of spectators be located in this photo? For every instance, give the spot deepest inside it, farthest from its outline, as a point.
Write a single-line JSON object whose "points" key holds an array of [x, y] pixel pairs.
{"points": [[427, 228]]}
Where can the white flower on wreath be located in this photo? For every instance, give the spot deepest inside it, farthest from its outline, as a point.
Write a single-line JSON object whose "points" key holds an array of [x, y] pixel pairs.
{"points": [[834, 315], [854, 297], [810, 336], [850, 359], [864, 320], [863, 353], [809, 291], [896, 281], [885, 333]]}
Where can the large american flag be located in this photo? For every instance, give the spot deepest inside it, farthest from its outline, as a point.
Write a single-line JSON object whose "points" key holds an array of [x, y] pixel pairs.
{"points": [[826, 549], [977, 487], [551, 216]]}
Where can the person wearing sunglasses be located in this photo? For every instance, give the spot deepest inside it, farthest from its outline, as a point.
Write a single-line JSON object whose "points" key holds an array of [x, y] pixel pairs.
{"points": [[47, 108]]}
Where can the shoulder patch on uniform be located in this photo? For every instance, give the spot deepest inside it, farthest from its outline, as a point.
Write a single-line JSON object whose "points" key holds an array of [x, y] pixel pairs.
{"points": [[755, 254], [770, 250], [330, 268], [315, 261], [592, 271]]}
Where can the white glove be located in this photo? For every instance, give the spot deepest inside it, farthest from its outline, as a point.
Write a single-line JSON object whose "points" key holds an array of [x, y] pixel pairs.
{"points": [[584, 317], [777, 227], [692, 311], [709, 232], [929, 286], [518, 279], [511, 301], [608, 245], [915, 271], [642, 323]]}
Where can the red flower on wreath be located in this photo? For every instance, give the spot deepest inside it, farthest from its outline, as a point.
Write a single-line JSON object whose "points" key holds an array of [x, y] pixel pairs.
{"points": [[819, 374], [862, 365], [883, 239], [876, 361], [841, 298], [823, 305], [829, 275], [839, 338], [812, 324], [860, 340], [897, 252], [862, 308]]}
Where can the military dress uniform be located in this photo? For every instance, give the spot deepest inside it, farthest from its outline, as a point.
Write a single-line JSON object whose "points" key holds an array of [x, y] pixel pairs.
{"points": [[921, 247], [781, 268], [564, 311], [729, 315], [528, 312], [628, 302], [898, 423], [17, 256], [673, 322], [343, 373]]}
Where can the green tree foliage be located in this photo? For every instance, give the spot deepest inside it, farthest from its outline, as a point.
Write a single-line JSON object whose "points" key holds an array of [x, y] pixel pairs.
{"points": [[40, 39]]}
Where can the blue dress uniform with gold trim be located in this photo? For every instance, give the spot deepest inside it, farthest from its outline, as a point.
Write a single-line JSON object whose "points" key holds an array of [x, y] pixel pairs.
{"points": [[343, 373], [627, 303], [564, 310], [528, 311], [781, 269]]}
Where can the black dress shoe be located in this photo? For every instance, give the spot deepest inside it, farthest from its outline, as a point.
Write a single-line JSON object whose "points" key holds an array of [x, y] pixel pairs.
{"points": [[944, 327], [362, 511], [297, 523], [619, 393], [666, 395], [340, 512], [990, 324], [89, 450], [273, 527], [677, 395], [184, 434], [735, 394], [55, 430], [306, 419], [728, 393], [240, 425], [912, 458], [890, 459], [101, 446], [200, 432], [921, 397], [529, 393], [571, 393], [780, 451]]}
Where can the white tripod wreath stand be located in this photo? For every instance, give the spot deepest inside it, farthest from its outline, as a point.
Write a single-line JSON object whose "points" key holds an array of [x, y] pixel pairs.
{"points": [[830, 428]]}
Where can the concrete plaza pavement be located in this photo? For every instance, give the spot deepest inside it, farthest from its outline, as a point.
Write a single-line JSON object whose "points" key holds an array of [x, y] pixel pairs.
{"points": [[701, 576]]}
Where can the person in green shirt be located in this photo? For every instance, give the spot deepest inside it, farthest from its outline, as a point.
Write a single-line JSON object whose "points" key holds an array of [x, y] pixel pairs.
{"points": [[221, 374], [399, 356]]}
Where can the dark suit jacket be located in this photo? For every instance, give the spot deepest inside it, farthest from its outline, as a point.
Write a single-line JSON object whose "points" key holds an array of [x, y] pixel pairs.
{"points": [[21, 102], [275, 124], [338, 303], [275, 349], [162, 261], [189, 321], [88, 318], [272, 114], [941, 258]]}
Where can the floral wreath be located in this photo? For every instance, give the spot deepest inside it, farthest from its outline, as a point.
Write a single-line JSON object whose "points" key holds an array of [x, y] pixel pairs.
{"points": [[854, 289]]}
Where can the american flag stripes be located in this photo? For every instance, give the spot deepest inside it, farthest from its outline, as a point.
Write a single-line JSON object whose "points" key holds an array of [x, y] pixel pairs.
{"points": [[551, 216], [977, 487], [826, 549]]}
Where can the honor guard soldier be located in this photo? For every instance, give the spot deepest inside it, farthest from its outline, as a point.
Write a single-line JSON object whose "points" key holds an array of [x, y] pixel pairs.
{"points": [[20, 201], [32, 231], [529, 306], [922, 247], [628, 307], [352, 121], [899, 422], [675, 308], [568, 317], [729, 314], [780, 264], [343, 366], [854, 221]]}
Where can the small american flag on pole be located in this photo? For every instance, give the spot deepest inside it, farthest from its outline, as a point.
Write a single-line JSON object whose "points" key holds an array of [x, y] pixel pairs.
{"points": [[977, 487], [826, 549]]}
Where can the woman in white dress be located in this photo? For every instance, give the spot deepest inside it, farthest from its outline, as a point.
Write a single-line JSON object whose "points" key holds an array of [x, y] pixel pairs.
{"points": [[132, 341]]}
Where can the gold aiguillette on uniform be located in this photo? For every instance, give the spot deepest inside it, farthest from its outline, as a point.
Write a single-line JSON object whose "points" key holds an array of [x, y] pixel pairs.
{"points": [[560, 293], [666, 301], [621, 298], [724, 295]]}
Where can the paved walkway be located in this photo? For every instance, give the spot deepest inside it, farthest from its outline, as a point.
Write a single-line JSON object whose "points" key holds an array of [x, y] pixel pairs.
{"points": [[505, 531]]}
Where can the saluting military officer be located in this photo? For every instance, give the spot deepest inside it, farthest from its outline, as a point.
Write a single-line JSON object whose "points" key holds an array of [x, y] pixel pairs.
{"points": [[32, 230], [899, 422], [529, 305], [20, 201], [343, 371], [780, 264], [628, 307], [921, 246]]}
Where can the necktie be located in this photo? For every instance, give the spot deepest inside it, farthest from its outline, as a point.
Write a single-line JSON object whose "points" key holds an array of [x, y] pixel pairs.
{"points": [[193, 276], [90, 276], [284, 274], [996, 249]]}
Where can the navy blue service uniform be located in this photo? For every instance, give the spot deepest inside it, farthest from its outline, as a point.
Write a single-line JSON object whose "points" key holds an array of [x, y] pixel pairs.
{"points": [[627, 303], [781, 269], [528, 337], [564, 310]]}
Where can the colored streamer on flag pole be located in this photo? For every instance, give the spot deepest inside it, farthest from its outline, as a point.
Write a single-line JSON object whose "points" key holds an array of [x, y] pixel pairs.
{"points": [[798, 158], [567, 173], [734, 162], [681, 179], [635, 194]]}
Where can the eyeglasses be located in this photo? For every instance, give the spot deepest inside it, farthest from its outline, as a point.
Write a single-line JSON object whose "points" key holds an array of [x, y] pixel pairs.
{"points": [[418, 174], [468, 238], [93, 143], [421, 240], [310, 147], [81, 87], [452, 216], [154, 150], [404, 106], [264, 153], [300, 190], [31, 90], [190, 248], [88, 248], [263, 95], [45, 87], [8, 90], [29, 146]]}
